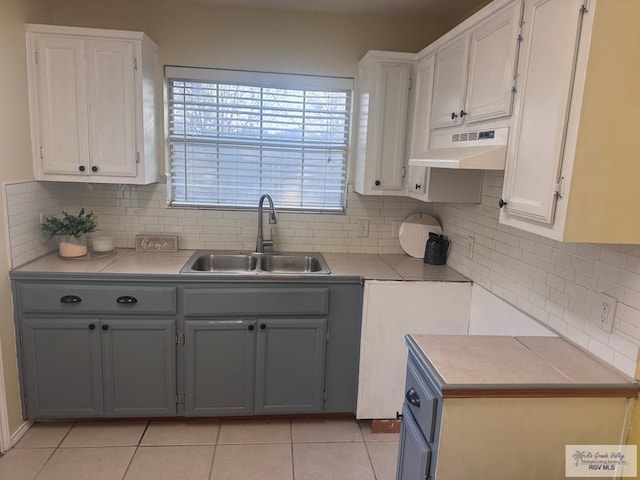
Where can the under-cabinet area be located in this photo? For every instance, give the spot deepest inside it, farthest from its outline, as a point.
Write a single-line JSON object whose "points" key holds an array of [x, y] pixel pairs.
{"points": [[95, 348]]}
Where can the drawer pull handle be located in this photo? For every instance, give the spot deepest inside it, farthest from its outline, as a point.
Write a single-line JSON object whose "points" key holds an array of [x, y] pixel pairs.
{"points": [[413, 398], [70, 299], [127, 300]]}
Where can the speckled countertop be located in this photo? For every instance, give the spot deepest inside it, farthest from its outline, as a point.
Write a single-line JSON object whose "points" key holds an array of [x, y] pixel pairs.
{"points": [[397, 267]]}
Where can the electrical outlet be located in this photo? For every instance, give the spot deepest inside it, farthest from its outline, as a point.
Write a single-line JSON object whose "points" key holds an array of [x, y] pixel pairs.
{"points": [[470, 243], [395, 228], [363, 228], [607, 312]]}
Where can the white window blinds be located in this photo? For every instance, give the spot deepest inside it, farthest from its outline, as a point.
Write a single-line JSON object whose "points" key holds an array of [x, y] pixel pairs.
{"points": [[234, 135]]}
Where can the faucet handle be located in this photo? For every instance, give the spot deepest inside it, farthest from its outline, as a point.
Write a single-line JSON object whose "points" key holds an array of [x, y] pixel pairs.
{"points": [[267, 243]]}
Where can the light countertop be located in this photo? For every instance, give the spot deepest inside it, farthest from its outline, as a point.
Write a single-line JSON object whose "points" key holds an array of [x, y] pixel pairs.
{"points": [[478, 360], [127, 261]]}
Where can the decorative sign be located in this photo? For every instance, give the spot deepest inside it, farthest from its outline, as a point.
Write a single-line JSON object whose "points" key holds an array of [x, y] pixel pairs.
{"points": [[156, 243]]}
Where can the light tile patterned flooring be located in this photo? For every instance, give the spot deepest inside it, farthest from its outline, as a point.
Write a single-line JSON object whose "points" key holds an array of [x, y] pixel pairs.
{"points": [[277, 449]]}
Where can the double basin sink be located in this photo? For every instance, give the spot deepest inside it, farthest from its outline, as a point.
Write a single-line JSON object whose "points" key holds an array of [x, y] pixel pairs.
{"points": [[225, 262]]}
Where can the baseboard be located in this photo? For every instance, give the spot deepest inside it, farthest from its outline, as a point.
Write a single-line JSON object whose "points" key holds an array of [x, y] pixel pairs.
{"points": [[19, 433], [386, 426]]}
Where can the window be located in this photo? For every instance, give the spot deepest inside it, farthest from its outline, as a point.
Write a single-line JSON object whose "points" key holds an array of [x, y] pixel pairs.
{"points": [[234, 135]]}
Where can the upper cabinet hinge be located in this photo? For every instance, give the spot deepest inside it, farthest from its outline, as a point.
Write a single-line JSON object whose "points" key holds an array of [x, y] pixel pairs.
{"points": [[558, 188], [36, 57], [404, 171], [324, 395], [137, 157], [135, 64], [180, 338], [180, 398], [41, 153], [327, 336], [585, 6], [514, 88], [410, 83], [21, 340]]}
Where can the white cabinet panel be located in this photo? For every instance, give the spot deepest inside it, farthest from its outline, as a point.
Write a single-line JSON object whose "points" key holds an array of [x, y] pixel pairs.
{"points": [[450, 83], [60, 105], [92, 98], [111, 81], [391, 310], [546, 68], [492, 60], [382, 107]]}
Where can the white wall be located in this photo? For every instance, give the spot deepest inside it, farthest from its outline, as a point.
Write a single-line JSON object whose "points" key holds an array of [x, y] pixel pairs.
{"points": [[556, 283]]}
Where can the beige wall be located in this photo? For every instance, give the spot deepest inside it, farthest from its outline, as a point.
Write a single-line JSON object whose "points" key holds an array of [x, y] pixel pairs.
{"points": [[201, 34], [15, 163]]}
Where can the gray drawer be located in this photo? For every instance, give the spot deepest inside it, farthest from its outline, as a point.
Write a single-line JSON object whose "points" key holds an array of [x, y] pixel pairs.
{"points": [[255, 301], [420, 401], [98, 299]]}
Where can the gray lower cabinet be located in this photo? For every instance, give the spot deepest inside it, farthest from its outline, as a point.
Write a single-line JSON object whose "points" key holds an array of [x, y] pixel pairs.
{"points": [[220, 364], [290, 365], [242, 367], [85, 367], [414, 454]]}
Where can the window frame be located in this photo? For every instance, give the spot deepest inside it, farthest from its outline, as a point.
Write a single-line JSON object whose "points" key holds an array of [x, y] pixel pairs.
{"points": [[263, 80]]}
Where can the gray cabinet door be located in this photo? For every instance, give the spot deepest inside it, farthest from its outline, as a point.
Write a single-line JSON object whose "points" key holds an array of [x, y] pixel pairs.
{"points": [[220, 367], [414, 454], [138, 361], [290, 365], [61, 369]]}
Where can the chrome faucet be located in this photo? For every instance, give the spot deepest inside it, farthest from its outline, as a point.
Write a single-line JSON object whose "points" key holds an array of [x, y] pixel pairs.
{"points": [[273, 219]]}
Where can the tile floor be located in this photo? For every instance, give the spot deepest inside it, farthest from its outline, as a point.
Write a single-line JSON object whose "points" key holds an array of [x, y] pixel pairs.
{"points": [[277, 449]]}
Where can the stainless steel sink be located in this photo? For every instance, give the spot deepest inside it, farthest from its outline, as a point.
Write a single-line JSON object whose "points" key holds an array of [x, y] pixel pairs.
{"points": [[224, 263], [265, 264], [290, 263]]}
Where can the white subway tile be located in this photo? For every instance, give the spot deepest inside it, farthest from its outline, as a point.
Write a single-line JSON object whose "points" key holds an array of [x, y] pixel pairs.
{"points": [[624, 347], [601, 350], [625, 365], [613, 258]]}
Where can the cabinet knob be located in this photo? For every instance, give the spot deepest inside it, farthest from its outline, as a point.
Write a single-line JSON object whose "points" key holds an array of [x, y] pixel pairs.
{"points": [[262, 326], [94, 169], [251, 327], [501, 203], [377, 183], [70, 299], [412, 397], [81, 168], [463, 114], [454, 115], [126, 300], [92, 326], [105, 327]]}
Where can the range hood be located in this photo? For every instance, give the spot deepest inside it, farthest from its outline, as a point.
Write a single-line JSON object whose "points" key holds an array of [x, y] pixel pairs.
{"points": [[475, 150]]}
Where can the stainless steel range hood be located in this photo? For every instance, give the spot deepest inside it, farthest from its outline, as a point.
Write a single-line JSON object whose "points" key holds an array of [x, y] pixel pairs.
{"points": [[476, 150]]}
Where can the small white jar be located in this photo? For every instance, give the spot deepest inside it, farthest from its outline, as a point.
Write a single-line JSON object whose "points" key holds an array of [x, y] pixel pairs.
{"points": [[102, 244]]}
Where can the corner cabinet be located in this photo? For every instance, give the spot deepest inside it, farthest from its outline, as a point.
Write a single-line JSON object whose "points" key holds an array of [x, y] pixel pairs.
{"points": [[382, 103], [571, 171], [474, 73], [92, 96]]}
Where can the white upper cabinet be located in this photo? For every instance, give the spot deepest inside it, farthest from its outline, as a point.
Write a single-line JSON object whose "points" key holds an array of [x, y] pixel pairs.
{"points": [[382, 100], [474, 73], [93, 105], [572, 163], [433, 184]]}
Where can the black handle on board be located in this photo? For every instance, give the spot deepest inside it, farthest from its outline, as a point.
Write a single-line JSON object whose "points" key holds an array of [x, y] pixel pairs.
{"points": [[70, 299], [127, 300]]}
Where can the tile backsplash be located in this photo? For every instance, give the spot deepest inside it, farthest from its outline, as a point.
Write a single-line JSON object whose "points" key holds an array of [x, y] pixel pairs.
{"points": [[124, 211], [557, 283]]}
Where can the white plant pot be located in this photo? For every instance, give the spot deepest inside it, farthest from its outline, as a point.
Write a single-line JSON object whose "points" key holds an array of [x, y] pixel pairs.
{"points": [[70, 246]]}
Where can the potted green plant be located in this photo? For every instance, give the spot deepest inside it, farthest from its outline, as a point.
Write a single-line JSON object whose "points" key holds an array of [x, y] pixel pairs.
{"points": [[70, 231]]}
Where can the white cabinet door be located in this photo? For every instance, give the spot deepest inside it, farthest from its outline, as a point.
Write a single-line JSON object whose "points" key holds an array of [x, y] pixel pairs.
{"points": [[391, 310], [450, 83], [59, 100], [382, 110], [546, 67], [492, 60], [111, 84]]}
